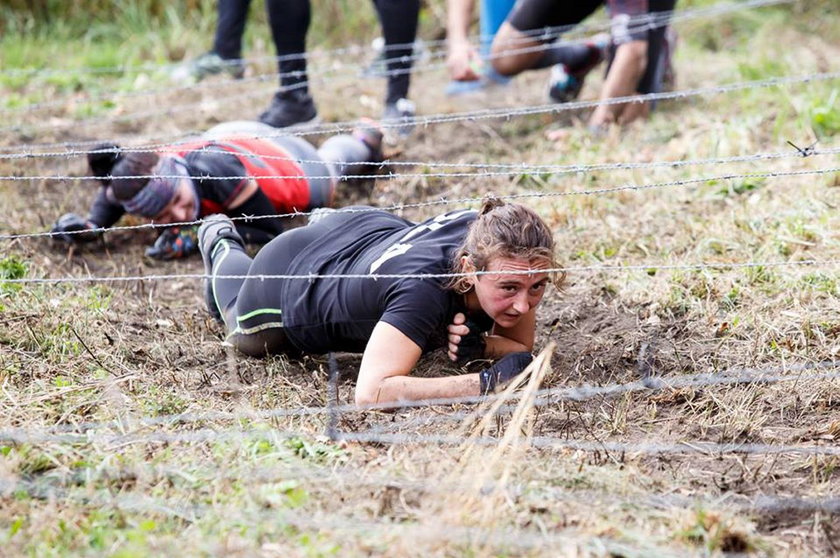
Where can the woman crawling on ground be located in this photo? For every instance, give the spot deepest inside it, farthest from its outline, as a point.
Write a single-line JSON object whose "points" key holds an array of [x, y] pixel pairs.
{"points": [[236, 168], [391, 320]]}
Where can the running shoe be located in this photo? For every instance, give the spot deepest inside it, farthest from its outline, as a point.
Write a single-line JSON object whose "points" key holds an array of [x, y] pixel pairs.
{"points": [[565, 83], [399, 117], [212, 230], [209, 64], [290, 108]]}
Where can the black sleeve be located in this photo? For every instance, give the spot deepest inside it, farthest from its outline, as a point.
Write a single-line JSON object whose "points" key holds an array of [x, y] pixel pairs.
{"points": [[213, 161], [103, 212], [257, 231], [418, 309]]}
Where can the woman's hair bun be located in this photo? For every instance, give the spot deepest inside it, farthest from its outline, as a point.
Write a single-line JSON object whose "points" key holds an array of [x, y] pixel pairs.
{"points": [[102, 160], [489, 203]]}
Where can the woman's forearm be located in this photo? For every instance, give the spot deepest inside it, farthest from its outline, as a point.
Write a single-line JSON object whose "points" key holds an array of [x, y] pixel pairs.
{"points": [[408, 388]]}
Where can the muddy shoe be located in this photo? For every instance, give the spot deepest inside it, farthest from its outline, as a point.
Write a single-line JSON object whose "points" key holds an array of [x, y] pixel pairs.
{"points": [[214, 229], [290, 108]]}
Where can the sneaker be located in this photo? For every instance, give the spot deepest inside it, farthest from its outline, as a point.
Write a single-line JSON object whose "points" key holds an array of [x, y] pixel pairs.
{"points": [[398, 117], [212, 230], [290, 108], [210, 63], [565, 83]]}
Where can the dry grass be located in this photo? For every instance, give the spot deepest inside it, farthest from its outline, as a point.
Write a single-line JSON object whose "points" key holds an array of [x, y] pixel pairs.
{"points": [[117, 354]]}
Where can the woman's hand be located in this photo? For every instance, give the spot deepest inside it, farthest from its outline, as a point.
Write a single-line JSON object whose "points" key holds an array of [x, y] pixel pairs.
{"points": [[466, 341], [463, 62]]}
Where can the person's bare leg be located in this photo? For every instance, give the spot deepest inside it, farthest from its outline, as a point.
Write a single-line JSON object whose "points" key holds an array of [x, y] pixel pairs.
{"points": [[506, 58], [623, 78]]}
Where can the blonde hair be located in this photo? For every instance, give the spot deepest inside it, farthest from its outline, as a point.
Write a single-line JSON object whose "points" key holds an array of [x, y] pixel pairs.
{"points": [[502, 230]]}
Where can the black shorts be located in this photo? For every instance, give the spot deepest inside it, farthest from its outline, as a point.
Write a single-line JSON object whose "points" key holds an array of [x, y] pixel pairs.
{"points": [[258, 303], [630, 20]]}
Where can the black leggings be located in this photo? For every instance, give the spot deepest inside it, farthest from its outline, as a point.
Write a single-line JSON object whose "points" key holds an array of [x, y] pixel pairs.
{"points": [[250, 307], [290, 20]]}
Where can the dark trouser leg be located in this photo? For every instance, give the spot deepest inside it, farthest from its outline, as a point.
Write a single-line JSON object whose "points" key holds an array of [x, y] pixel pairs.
{"points": [[289, 20], [229, 258], [230, 27], [255, 320], [399, 27]]}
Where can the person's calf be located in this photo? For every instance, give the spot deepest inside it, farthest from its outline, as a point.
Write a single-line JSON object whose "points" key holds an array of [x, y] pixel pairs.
{"points": [[513, 52]]}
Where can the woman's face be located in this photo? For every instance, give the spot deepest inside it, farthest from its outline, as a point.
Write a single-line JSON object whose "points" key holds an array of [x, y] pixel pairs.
{"points": [[183, 207], [507, 297]]}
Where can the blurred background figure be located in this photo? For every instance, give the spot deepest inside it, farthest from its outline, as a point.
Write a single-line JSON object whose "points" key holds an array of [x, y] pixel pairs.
{"points": [[638, 51], [226, 54], [466, 63]]}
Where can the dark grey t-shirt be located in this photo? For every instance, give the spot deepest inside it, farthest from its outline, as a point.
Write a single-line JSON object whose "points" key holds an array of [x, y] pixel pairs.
{"points": [[339, 314]]}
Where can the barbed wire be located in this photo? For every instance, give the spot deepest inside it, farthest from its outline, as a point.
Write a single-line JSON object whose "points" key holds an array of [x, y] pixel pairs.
{"points": [[550, 396], [545, 33], [649, 448], [513, 538], [513, 171], [522, 166], [87, 431], [439, 202], [483, 114], [647, 268]]}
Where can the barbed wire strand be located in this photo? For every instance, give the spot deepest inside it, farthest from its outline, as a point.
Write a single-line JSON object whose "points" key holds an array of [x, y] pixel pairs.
{"points": [[385, 176], [511, 538], [483, 114], [546, 396], [646, 267], [442, 202]]}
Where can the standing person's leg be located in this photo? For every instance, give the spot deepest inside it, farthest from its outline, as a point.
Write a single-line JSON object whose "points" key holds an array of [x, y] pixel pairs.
{"points": [[399, 28], [226, 54], [230, 28], [635, 66], [289, 20]]}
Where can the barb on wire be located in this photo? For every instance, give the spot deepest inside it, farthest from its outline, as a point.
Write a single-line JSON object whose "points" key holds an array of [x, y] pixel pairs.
{"points": [[444, 202]]}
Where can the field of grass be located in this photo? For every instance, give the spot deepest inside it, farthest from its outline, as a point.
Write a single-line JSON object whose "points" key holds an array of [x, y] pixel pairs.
{"points": [[127, 428]]}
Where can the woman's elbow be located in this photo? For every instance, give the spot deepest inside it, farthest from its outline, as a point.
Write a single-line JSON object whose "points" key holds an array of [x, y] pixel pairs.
{"points": [[366, 395]]}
